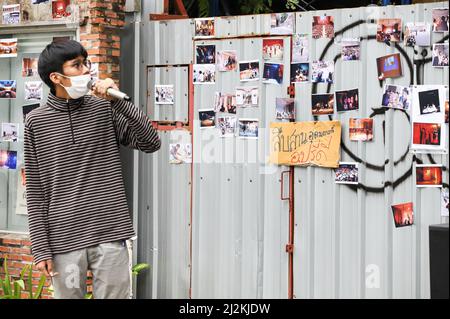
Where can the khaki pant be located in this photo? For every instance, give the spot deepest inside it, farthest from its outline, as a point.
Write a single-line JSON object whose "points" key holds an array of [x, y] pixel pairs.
{"points": [[109, 264]]}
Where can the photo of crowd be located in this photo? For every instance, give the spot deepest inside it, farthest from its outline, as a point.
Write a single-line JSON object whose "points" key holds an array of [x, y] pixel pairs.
{"points": [[204, 73], [322, 104], [322, 71], [248, 128], [323, 27], [361, 129], [440, 20], [273, 73], [164, 94], [249, 71], [10, 132], [440, 54], [346, 173], [300, 48], [273, 49], [417, 33], [224, 103], [389, 66], [389, 30], [428, 175], [226, 60], [427, 134], [8, 89], [285, 108], [429, 102], [205, 54], [282, 23], [351, 49], [207, 118], [204, 28], [299, 72], [8, 159], [347, 100], [227, 126], [396, 96], [403, 214]]}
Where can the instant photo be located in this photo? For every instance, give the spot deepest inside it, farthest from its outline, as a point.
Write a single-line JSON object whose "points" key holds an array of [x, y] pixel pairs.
{"points": [[361, 129], [33, 90], [428, 175], [440, 55], [180, 153], [403, 214], [248, 128], [322, 104], [427, 134], [11, 13], [227, 126], [346, 173], [8, 48], [247, 96], [397, 97], [249, 71], [29, 67], [226, 60], [347, 100], [273, 49], [350, 49], [299, 72], [224, 103], [285, 108], [204, 28], [389, 30], [207, 118], [417, 34], [8, 159], [440, 20], [60, 9], [164, 94], [322, 71], [204, 74], [444, 202], [10, 132], [205, 54], [273, 73], [428, 103], [282, 23], [300, 48], [8, 89], [389, 66], [323, 27]]}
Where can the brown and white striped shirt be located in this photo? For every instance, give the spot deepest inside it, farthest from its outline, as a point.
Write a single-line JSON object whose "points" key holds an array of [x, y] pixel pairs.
{"points": [[75, 191]]}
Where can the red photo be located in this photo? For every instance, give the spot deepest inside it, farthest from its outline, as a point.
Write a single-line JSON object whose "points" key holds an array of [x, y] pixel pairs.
{"points": [[403, 214], [427, 134], [429, 175], [59, 9]]}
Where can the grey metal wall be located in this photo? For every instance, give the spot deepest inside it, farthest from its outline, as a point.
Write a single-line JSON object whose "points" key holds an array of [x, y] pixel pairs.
{"points": [[240, 225]]}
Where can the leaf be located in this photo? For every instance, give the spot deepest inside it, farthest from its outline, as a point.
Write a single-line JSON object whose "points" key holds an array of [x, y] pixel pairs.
{"points": [[88, 296], [203, 8], [30, 282], [139, 267], [39, 287], [7, 283], [18, 286]]}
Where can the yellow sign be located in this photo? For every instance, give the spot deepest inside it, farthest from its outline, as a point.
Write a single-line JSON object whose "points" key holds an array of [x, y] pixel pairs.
{"points": [[305, 143]]}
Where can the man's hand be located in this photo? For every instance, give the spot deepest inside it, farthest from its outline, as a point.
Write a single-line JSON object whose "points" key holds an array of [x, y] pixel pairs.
{"points": [[101, 86], [46, 267]]}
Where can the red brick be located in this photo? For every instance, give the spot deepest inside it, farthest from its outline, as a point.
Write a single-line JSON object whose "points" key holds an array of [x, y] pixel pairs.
{"points": [[15, 242]]}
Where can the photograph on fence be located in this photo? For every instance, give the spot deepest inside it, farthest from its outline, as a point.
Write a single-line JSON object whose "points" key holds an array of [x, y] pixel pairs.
{"points": [[403, 214], [322, 104]]}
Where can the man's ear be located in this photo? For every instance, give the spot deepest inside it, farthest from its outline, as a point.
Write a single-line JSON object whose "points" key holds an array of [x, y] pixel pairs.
{"points": [[55, 78]]}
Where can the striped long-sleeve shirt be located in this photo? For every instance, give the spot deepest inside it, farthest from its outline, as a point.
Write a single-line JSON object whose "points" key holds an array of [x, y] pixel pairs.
{"points": [[75, 191]]}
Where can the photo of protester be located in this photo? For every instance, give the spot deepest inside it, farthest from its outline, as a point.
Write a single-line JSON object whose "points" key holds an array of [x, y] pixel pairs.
{"points": [[273, 73], [164, 94], [8, 48], [361, 129], [249, 71], [429, 102], [205, 54], [299, 72], [180, 153], [300, 48], [427, 134], [440, 20], [8, 159], [322, 71], [10, 132], [248, 128], [282, 23], [204, 28], [389, 66], [347, 100], [403, 214], [247, 96], [389, 30], [429, 175], [346, 173], [397, 96], [322, 104], [226, 60], [285, 108], [204, 73], [227, 126], [8, 89], [417, 33], [207, 118], [440, 54], [351, 49], [323, 27], [224, 103], [273, 49]]}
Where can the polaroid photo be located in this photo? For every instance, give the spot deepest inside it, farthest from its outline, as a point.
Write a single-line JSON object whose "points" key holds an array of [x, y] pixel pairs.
{"points": [[346, 173], [248, 128], [428, 136], [273, 73], [164, 94], [249, 71], [347, 100], [8, 159], [204, 74], [207, 118], [180, 153], [299, 72], [282, 23], [224, 103], [397, 97], [285, 108], [361, 129], [389, 30], [33, 90], [204, 28], [11, 13], [403, 214], [8, 48], [440, 19], [273, 49], [417, 34], [350, 49], [226, 60], [440, 55], [428, 103], [10, 132], [428, 175], [389, 66], [227, 126], [30, 67], [300, 48], [8, 89], [323, 27], [444, 202], [247, 96], [322, 71], [205, 54], [322, 104], [61, 9]]}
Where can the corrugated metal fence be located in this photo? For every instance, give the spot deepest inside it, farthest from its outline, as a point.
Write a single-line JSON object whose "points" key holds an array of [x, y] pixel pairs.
{"points": [[240, 226]]}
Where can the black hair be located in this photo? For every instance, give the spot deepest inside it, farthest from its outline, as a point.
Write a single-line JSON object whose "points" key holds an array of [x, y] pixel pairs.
{"points": [[55, 55]]}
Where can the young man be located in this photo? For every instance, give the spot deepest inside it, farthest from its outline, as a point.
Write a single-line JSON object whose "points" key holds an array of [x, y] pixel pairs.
{"points": [[77, 210]]}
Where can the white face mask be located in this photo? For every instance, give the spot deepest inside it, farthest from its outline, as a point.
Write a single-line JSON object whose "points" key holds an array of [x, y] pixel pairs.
{"points": [[79, 86]]}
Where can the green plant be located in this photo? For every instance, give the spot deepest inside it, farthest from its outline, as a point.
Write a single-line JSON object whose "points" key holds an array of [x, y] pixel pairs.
{"points": [[12, 289]]}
